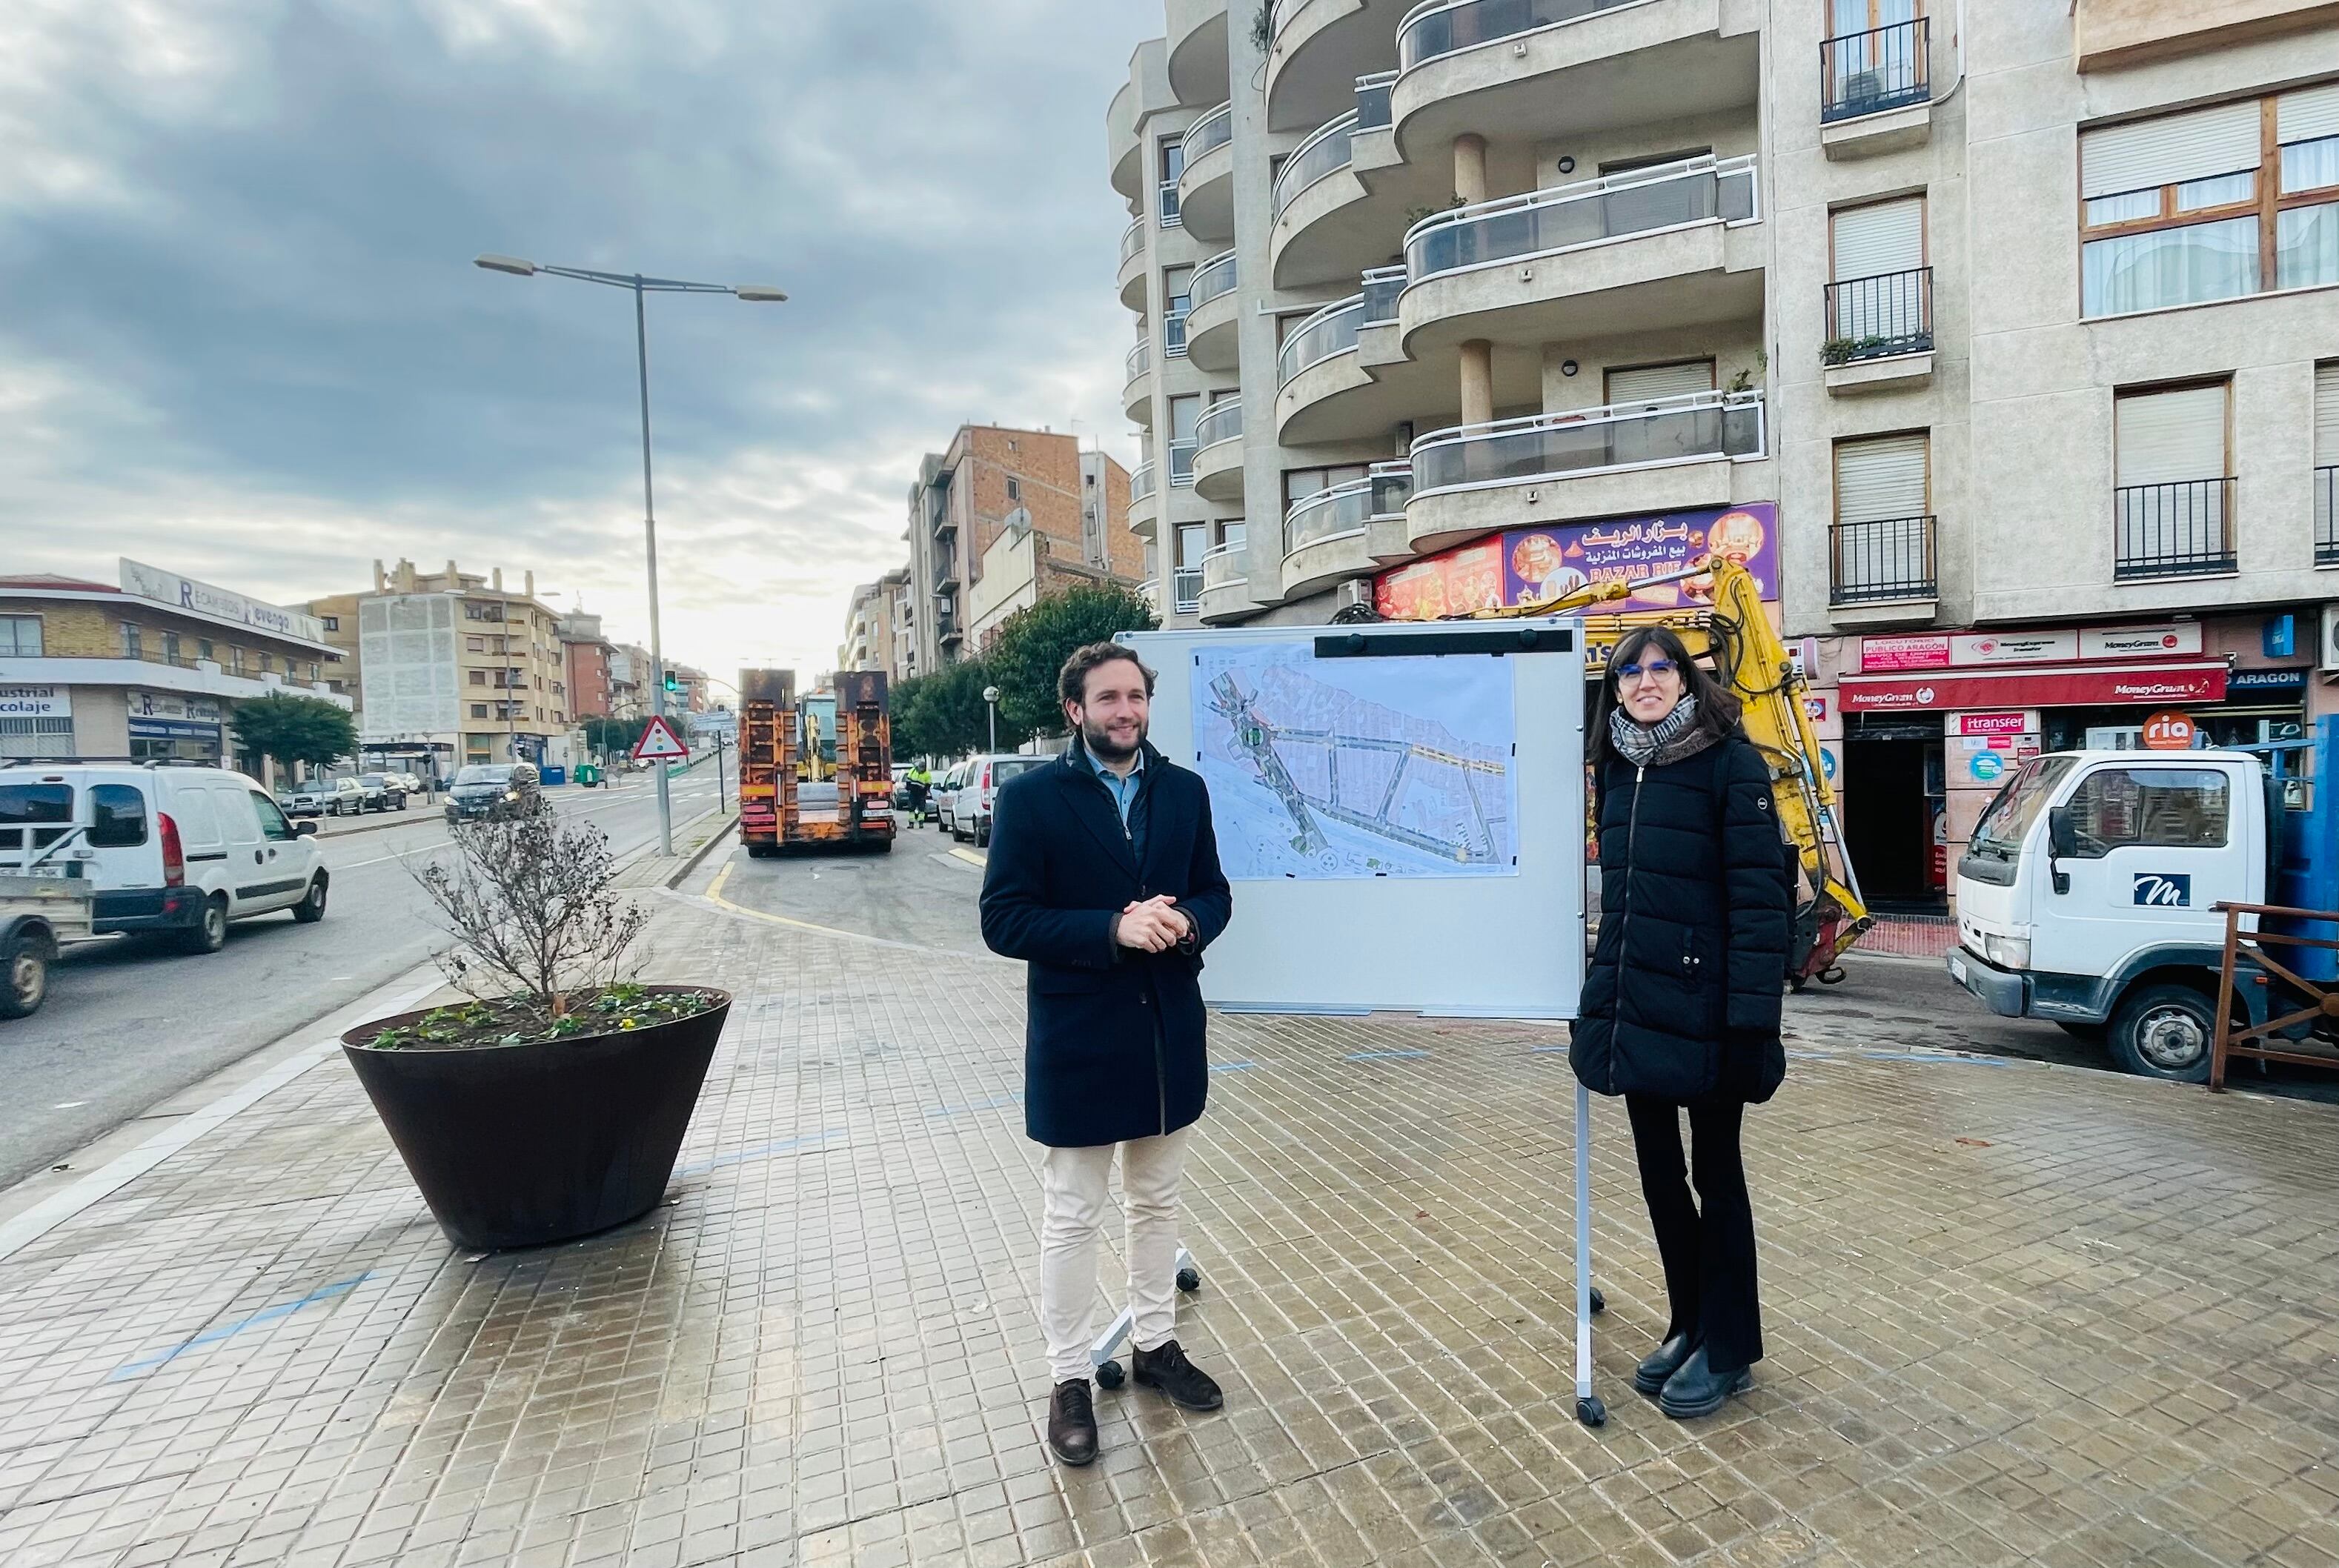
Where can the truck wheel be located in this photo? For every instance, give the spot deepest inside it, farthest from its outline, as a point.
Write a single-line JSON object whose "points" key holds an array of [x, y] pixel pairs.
{"points": [[23, 975], [2165, 1031]]}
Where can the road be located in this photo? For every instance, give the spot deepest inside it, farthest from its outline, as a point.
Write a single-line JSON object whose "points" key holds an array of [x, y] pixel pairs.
{"points": [[126, 1027]]}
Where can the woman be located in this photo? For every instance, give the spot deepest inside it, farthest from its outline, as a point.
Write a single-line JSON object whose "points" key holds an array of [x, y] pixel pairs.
{"points": [[1680, 1005]]}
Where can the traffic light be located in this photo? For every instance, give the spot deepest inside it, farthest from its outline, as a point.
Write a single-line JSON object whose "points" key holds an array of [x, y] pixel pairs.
{"points": [[673, 682]]}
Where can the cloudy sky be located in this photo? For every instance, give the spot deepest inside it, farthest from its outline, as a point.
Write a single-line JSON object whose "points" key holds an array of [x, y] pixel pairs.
{"points": [[243, 339]]}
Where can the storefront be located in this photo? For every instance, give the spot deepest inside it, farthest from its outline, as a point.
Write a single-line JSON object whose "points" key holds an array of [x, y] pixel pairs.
{"points": [[172, 726]]}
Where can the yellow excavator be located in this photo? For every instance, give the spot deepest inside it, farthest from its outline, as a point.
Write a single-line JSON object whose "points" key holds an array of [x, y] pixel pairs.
{"points": [[1734, 635]]}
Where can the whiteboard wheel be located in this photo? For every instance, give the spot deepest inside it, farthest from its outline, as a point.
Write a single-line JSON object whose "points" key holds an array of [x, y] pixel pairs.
{"points": [[1190, 1280], [1590, 1412], [1109, 1375]]}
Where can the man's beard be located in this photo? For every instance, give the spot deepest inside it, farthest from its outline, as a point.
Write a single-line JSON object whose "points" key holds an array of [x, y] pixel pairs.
{"points": [[1099, 744]]}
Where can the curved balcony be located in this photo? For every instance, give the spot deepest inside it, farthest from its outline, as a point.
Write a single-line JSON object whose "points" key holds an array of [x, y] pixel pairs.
{"points": [[1656, 454], [1226, 583], [1333, 215], [1133, 269], [1642, 251], [1340, 375], [1346, 531], [1218, 451], [1198, 49], [1214, 314], [1319, 49], [1144, 500], [1128, 148], [1544, 68], [1136, 385], [1205, 190]]}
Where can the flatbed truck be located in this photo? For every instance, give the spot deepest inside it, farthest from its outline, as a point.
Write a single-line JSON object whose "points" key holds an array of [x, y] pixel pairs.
{"points": [[806, 778]]}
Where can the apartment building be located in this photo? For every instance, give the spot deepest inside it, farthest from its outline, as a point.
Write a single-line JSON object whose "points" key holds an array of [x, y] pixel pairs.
{"points": [[2000, 341], [870, 623], [969, 495], [585, 656]]}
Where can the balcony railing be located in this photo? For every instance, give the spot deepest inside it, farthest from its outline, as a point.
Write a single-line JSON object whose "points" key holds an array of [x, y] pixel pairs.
{"points": [[1186, 584], [1222, 565], [1209, 133], [1168, 194], [1326, 152], [1132, 240], [1173, 333], [2326, 516], [1591, 212], [1181, 462], [1867, 73], [1221, 421], [1373, 111], [1141, 482], [1442, 26], [1346, 508], [1329, 331], [1139, 360], [1884, 559], [1694, 427], [1382, 287], [2178, 530], [1211, 279], [1871, 317]]}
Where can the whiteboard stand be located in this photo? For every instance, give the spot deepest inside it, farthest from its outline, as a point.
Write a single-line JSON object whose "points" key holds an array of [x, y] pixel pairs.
{"points": [[1109, 1373], [1588, 1407]]}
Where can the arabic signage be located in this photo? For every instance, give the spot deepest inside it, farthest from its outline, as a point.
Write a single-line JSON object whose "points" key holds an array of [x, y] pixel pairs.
{"points": [[36, 703], [1946, 650], [204, 600], [2068, 686], [1536, 566]]}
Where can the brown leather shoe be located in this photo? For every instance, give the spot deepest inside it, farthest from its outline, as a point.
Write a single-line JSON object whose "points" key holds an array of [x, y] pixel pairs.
{"points": [[1072, 1422], [1168, 1369]]}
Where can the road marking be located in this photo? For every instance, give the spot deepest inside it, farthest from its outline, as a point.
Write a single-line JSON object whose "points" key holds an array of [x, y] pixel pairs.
{"points": [[713, 896], [227, 1330], [971, 857], [69, 1105]]}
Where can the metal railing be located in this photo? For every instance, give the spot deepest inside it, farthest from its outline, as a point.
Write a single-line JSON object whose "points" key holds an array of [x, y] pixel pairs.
{"points": [[1211, 279], [1330, 331], [1882, 559], [1132, 240], [1444, 26], [1867, 73], [1209, 133], [1694, 427], [1221, 563], [1326, 152], [1373, 111], [1382, 287], [1141, 482], [2183, 530], [1221, 421], [1347, 508], [2326, 516], [1699, 190], [1871, 317], [1186, 586], [1181, 462], [1173, 333], [1139, 361], [1168, 195]]}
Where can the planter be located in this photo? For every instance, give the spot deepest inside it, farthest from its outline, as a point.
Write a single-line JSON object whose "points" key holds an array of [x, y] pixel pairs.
{"points": [[522, 1145]]}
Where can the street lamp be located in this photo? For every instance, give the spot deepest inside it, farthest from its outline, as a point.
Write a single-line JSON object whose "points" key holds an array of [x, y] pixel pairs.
{"points": [[991, 695], [754, 293]]}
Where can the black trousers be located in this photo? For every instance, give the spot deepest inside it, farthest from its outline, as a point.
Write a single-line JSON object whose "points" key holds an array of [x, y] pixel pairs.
{"points": [[1707, 1246]]}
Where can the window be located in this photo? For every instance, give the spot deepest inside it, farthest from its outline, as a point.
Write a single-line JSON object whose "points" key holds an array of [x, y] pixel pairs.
{"points": [[1879, 294], [133, 648], [1231, 532], [331, 623], [478, 710], [473, 611], [475, 645], [1298, 483], [203, 648], [169, 647], [2151, 808], [1882, 542], [479, 677], [1874, 57], [1184, 411], [1015, 489], [20, 636], [2211, 204], [2326, 464], [2173, 490], [267, 664], [1169, 158], [1646, 383], [117, 816], [273, 824]]}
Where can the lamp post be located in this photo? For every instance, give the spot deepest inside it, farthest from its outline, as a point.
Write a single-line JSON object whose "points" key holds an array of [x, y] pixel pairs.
{"points": [[753, 293], [990, 697]]}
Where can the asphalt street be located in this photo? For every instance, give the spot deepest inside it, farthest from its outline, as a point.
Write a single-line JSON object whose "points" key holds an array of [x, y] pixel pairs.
{"points": [[126, 1026]]}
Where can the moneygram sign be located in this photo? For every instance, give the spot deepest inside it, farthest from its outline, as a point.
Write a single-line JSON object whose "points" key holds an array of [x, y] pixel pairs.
{"points": [[2067, 687]]}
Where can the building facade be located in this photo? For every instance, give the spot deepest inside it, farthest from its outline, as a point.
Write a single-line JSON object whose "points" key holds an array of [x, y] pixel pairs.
{"points": [[585, 655], [968, 496], [869, 625], [150, 668], [2000, 341]]}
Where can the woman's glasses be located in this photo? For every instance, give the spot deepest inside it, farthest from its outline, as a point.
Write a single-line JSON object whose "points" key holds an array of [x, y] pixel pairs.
{"points": [[1655, 669]]}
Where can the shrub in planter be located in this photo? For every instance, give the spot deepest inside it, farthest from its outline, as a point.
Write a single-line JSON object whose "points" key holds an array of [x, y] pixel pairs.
{"points": [[553, 1102]]}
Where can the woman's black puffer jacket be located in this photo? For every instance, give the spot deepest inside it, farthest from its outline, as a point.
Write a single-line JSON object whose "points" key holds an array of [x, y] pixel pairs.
{"points": [[1682, 996]]}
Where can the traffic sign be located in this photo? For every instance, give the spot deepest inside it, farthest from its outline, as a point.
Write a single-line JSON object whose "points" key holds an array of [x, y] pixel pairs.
{"points": [[659, 743]]}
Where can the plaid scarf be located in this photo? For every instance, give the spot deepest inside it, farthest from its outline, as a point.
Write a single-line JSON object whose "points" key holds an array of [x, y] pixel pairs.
{"points": [[1669, 739]]}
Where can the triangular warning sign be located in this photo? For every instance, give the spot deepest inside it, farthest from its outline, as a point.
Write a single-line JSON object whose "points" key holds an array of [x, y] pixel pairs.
{"points": [[659, 743]]}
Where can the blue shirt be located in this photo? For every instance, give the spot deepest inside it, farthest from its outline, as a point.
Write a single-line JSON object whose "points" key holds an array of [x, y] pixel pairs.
{"points": [[1124, 790]]}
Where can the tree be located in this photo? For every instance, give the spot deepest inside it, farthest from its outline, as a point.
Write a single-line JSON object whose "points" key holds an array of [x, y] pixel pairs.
{"points": [[941, 714], [1029, 649], [614, 737], [296, 729]]}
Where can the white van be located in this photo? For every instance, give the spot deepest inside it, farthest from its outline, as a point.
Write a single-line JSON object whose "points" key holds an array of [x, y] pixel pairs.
{"points": [[164, 847]]}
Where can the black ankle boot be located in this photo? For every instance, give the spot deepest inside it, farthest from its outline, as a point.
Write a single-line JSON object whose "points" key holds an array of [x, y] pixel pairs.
{"points": [[1697, 1389], [1665, 1360], [1072, 1422], [1168, 1369]]}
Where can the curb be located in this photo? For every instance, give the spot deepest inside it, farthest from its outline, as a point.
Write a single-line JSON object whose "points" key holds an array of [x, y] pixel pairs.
{"points": [[695, 858]]}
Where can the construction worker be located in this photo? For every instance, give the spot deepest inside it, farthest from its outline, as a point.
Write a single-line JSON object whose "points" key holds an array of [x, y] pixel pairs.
{"points": [[919, 783]]}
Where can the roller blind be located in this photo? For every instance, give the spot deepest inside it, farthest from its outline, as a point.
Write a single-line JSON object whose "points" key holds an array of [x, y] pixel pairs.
{"points": [[2326, 414], [1653, 382], [2169, 438], [1879, 479], [2143, 154], [1889, 236], [2308, 114]]}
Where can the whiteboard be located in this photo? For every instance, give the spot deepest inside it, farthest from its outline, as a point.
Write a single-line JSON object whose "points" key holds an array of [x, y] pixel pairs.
{"points": [[1487, 942]]}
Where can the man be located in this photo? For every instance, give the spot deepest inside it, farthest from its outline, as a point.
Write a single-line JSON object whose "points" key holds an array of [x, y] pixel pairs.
{"points": [[1104, 878]]}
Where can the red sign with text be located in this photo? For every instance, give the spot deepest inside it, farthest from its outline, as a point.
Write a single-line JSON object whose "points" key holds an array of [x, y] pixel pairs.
{"points": [[2107, 685], [2168, 732]]}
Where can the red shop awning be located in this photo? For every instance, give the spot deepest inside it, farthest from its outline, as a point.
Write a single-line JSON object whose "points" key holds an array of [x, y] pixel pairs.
{"points": [[2047, 687]]}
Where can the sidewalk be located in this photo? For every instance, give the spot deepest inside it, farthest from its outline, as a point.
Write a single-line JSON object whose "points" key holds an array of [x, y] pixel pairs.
{"points": [[2015, 1314]]}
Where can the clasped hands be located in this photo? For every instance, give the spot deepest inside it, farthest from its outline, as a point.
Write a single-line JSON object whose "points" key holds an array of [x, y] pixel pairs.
{"points": [[1152, 926]]}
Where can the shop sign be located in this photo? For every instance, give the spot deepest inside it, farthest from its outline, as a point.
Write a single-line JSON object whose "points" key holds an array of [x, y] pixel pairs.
{"points": [[1924, 652], [2265, 682], [1537, 565], [172, 730], [1965, 650], [2180, 640], [35, 702], [154, 583], [2070, 686], [1984, 761], [173, 705], [2014, 647], [1827, 718], [2021, 722], [2170, 731]]}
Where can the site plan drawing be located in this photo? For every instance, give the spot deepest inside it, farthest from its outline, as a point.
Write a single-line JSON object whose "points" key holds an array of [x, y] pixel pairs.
{"points": [[1325, 770]]}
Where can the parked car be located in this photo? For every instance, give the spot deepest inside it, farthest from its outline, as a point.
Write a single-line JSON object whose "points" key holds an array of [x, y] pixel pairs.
{"points": [[971, 805], [171, 849], [410, 783], [344, 796], [391, 788], [489, 790], [304, 799], [945, 790]]}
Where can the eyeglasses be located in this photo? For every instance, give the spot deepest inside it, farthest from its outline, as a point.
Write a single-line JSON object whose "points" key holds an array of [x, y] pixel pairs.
{"points": [[1654, 669]]}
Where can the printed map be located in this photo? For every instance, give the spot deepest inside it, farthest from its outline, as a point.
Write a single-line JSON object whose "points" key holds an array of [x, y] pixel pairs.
{"points": [[1349, 768]]}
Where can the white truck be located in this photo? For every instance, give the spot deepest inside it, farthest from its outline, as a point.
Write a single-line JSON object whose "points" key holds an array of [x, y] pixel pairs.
{"points": [[2088, 894]]}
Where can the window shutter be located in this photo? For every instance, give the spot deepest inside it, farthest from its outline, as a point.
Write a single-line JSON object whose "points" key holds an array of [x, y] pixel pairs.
{"points": [[1653, 381], [2170, 150], [1889, 236], [2307, 114], [2326, 414], [1880, 479], [2170, 437]]}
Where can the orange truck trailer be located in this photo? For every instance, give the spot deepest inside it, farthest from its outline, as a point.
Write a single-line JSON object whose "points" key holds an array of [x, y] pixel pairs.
{"points": [[776, 807]]}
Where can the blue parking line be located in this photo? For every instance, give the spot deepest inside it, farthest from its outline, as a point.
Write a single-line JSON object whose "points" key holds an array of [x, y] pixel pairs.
{"points": [[760, 1151], [1383, 1055], [1233, 1066], [227, 1330]]}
